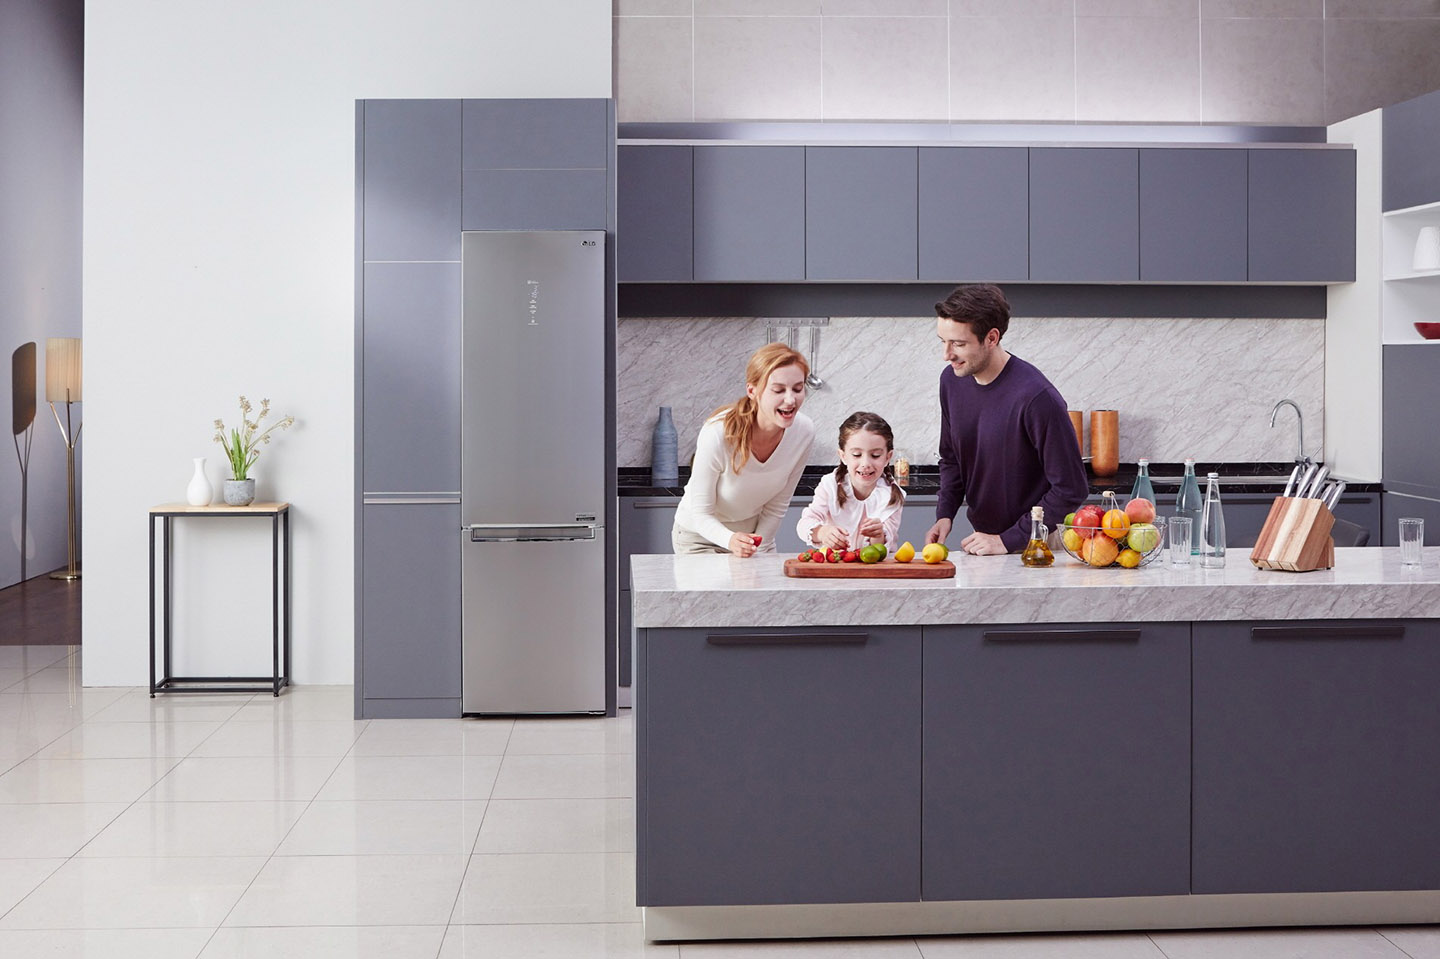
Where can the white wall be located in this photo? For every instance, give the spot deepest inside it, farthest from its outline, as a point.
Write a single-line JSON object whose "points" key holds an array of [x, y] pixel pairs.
{"points": [[219, 260], [1352, 325]]}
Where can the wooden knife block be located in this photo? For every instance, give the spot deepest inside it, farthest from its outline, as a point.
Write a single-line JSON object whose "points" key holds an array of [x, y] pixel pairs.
{"points": [[1296, 536]]}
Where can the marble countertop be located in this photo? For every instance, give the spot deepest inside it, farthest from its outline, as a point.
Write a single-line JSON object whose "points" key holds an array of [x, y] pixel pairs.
{"points": [[717, 590]]}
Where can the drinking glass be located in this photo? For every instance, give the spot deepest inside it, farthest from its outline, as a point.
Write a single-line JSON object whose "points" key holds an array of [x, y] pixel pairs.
{"points": [[1412, 537], [1180, 533]]}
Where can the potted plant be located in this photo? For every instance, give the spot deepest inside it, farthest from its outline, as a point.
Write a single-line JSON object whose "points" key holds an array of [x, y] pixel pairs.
{"points": [[241, 447]]}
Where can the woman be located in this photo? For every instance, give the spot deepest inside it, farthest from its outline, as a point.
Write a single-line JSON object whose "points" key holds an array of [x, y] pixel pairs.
{"points": [[748, 458]]}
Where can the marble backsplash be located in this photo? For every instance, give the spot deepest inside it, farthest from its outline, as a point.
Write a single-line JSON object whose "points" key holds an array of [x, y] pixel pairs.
{"points": [[1200, 388]]}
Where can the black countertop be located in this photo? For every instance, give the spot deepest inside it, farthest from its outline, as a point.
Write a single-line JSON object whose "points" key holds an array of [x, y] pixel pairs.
{"points": [[1262, 478]]}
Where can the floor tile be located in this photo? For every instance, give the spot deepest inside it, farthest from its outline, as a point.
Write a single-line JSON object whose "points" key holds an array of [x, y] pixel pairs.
{"points": [[81, 780], [20, 877], [329, 942], [63, 677], [351, 891], [213, 829], [302, 702], [414, 777], [434, 737], [283, 738], [611, 940], [572, 736], [32, 658], [1358, 943], [52, 830], [1082, 946], [59, 707], [243, 779], [98, 740], [801, 949], [135, 894], [1418, 942], [558, 825], [106, 943], [385, 828], [136, 706], [544, 888], [565, 777]]}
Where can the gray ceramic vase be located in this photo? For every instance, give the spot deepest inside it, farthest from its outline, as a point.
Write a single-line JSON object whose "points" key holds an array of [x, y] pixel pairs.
{"points": [[239, 492], [664, 465]]}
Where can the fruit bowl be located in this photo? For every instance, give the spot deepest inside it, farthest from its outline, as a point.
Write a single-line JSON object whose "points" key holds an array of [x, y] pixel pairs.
{"points": [[1137, 545]]}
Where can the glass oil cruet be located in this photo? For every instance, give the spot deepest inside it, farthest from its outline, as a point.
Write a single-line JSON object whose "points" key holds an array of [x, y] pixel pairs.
{"points": [[1037, 553]]}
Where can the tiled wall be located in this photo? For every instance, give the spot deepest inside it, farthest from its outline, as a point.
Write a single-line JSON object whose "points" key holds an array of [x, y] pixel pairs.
{"points": [[1200, 388], [1301, 62]]}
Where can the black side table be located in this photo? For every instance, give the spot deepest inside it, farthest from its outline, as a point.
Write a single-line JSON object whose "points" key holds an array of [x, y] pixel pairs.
{"points": [[279, 515]]}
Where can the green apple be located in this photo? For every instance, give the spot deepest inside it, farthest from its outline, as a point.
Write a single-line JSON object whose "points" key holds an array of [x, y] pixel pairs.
{"points": [[1143, 537]]}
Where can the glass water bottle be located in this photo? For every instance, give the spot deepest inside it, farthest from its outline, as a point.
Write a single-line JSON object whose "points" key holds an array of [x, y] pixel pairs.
{"points": [[1188, 502], [1037, 553], [1212, 525], [1143, 488]]}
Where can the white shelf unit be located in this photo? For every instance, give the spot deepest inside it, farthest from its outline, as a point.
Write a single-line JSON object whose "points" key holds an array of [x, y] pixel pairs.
{"points": [[1409, 295]]}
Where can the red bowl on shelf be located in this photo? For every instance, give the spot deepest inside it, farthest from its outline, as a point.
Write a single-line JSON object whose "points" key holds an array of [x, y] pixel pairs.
{"points": [[1431, 331]]}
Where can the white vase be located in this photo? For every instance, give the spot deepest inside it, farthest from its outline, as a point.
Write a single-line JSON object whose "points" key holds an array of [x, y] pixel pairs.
{"points": [[199, 492], [1427, 249]]}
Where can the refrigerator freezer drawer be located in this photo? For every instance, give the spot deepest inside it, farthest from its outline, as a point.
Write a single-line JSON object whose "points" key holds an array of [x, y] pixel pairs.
{"points": [[536, 533], [534, 625]]}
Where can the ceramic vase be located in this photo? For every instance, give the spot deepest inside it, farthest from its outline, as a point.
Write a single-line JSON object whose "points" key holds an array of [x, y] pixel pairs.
{"points": [[1104, 442], [1427, 250], [664, 451], [199, 492], [239, 492]]}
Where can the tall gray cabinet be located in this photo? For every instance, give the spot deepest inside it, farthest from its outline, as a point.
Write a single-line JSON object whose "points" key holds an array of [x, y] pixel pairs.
{"points": [[425, 171]]}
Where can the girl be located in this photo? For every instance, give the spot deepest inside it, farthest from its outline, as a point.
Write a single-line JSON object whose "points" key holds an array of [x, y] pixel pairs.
{"points": [[860, 502], [748, 458]]}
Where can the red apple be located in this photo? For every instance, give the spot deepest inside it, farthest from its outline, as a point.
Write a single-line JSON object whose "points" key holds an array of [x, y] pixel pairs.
{"points": [[1087, 520], [1140, 510]]}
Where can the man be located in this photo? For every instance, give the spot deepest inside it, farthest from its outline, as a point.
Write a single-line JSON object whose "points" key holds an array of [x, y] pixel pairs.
{"points": [[1006, 442]]}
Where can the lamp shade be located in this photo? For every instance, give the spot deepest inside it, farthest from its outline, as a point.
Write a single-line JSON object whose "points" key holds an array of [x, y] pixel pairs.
{"points": [[62, 369]]}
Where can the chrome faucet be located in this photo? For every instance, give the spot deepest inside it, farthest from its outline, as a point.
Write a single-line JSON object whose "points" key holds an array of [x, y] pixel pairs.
{"points": [[1300, 456]]}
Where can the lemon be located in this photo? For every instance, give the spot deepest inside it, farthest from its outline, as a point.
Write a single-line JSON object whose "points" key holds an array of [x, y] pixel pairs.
{"points": [[933, 552], [905, 553], [1128, 558]]}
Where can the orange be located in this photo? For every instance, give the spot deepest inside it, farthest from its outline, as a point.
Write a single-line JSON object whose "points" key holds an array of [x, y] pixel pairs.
{"points": [[1115, 523]]}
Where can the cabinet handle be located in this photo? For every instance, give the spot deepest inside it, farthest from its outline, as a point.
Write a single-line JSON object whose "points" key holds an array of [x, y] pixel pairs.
{"points": [[1062, 635], [787, 639], [1327, 632]]}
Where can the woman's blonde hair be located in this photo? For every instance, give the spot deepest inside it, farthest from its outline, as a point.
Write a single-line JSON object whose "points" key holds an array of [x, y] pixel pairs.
{"points": [[741, 416]]}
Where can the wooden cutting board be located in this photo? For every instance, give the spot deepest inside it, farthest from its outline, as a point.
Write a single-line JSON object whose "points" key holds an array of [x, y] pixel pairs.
{"points": [[885, 569]]}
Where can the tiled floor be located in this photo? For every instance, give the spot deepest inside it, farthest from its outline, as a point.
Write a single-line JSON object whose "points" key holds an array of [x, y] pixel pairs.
{"points": [[246, 826]]}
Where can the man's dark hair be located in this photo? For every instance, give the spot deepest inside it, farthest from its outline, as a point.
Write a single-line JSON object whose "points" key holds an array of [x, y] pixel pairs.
{"points": [[982, 305]]}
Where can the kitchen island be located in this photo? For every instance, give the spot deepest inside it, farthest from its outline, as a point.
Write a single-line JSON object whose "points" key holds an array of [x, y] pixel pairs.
{"points": [[1020, 749]]}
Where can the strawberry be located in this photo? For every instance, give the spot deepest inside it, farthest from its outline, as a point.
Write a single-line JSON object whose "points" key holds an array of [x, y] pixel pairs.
{"points": [[850, 556], [756, 538], [831, 556], [817, 557], [804, 557]]}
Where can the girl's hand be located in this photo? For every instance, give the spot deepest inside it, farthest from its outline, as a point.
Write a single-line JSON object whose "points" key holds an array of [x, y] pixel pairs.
{"points": [[873, 529], [831, 537], [742, 544]]}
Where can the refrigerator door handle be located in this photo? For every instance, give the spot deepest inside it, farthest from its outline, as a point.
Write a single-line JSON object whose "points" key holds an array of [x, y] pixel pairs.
{"points": [[536, 533]]}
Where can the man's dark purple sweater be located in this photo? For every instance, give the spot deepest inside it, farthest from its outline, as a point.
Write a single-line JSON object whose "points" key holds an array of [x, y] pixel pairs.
{"points": [[1004, 447]]}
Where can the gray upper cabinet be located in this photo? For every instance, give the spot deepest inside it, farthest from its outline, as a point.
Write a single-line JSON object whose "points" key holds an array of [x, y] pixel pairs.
{"points": [[1302, 216], [654, 215], [411, 386], [1410, 137], [1056, 761], [861, 214], [535, 200], [800, 752], [411, 200], [973, 218], [750, 207], [1193, 218], [1316, 764], [1084, 215], [1409, 453]]}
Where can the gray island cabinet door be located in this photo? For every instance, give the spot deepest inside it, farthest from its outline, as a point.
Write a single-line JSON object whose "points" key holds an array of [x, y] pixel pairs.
{"points": [[749, 214], [1317, 765], [860, 213], [974, 204], [778, 766], [1302, 216], [1084, 215], [1409, 453], [654, 213], [411, 609], [1193, 224], [1057, 761]]}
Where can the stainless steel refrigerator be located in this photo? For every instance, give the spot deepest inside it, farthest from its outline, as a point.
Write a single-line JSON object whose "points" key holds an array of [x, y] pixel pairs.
{"points": [[532, 472]]}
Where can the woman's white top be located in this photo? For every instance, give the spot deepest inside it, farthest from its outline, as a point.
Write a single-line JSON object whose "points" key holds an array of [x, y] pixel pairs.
{"points": [[824, 510], [718, 501]]}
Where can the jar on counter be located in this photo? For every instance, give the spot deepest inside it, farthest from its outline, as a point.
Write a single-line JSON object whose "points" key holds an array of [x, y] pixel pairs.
{"points": [[901, 465]]}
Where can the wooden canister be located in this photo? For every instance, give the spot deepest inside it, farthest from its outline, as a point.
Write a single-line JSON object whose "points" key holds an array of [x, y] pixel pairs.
{"points": [[1104, 442], [1077, 420]]}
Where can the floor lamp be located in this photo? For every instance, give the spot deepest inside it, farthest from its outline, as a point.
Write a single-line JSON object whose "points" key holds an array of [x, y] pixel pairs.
{"points": [[62, 385]]}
